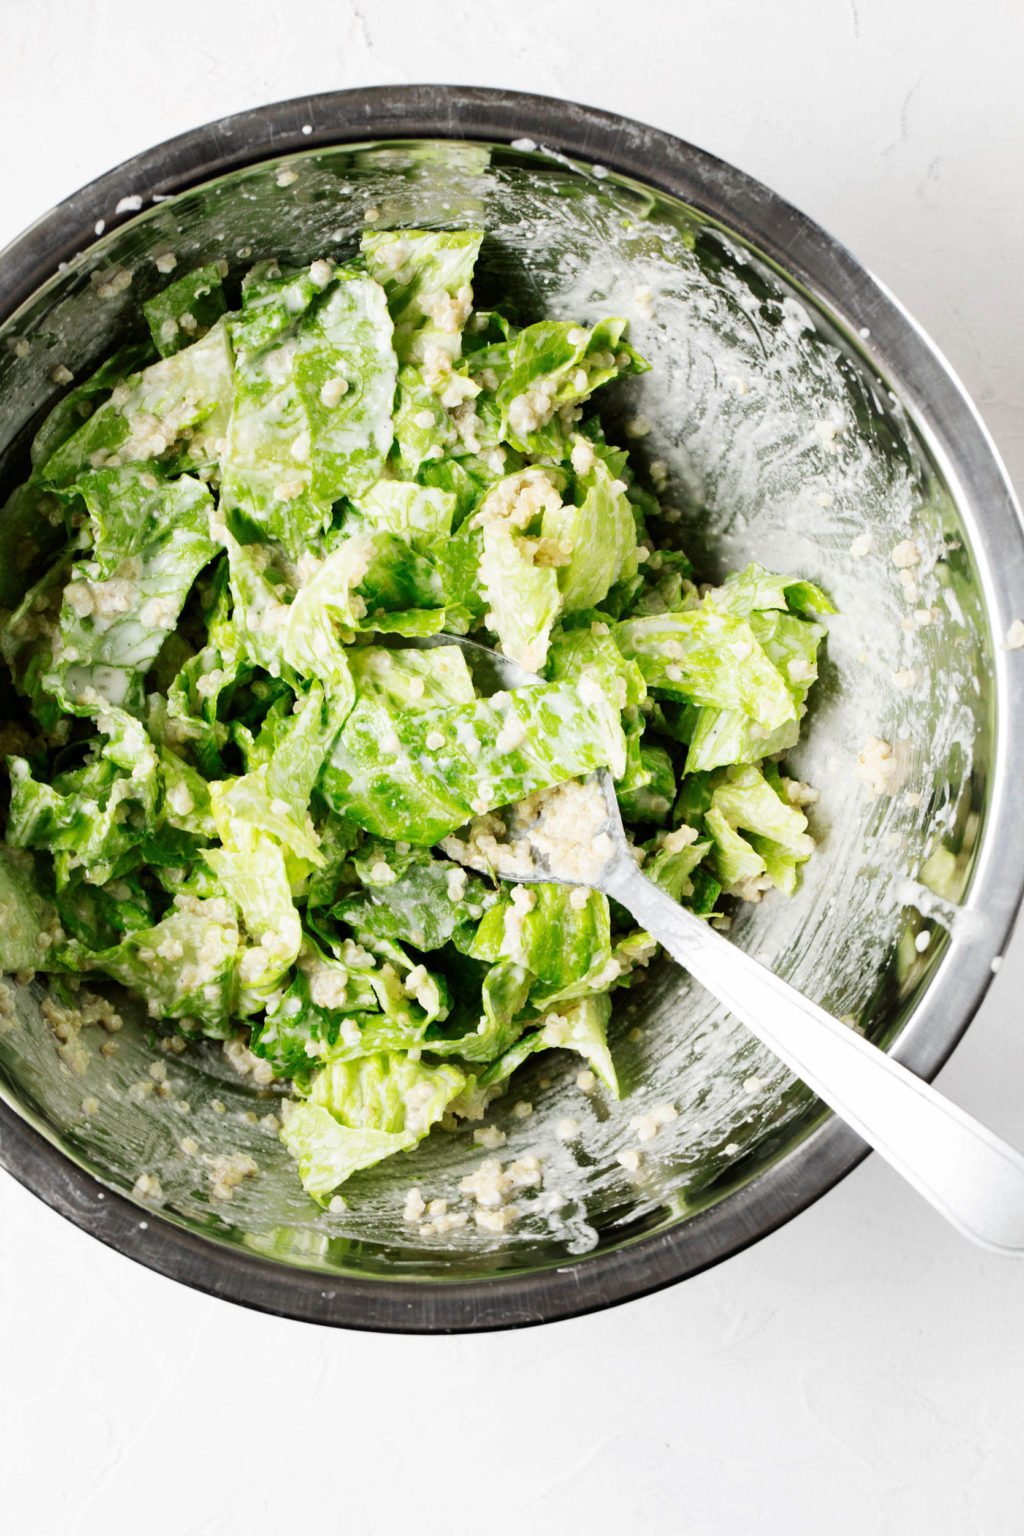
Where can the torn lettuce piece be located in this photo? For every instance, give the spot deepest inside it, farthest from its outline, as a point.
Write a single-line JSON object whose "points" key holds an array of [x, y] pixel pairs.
{"points": [[100, 916], [672, 858], [359, 1112], [595, 535], [523, 600], [372, 581], [421, 515], [186, 967], [311, 415], [28, 639], [413, 897], [421, 423], [705, 657], [80, 403], [652, 798], [591, 651], [517, 569], [30, 926], [184, 311], [790, 641], [252, 870], [580, 1025], [410, 679], [560, 934], [723, 736], [759, 838], [428, 278], [273, 797], [754, 588], [553, 365], [330, 1009], [175, 411], [151, 540], [417, 777], [93, 818]]}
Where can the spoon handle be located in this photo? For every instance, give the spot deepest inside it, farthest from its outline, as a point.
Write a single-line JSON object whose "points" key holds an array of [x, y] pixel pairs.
{"points": [[967, 1173]]}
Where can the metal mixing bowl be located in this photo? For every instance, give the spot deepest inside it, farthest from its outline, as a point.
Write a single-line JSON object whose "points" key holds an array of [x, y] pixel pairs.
{"points": [[797, 409]]}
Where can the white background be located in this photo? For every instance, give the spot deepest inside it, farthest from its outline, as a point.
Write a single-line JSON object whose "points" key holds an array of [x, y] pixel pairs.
{"points": [[861, 1371]]}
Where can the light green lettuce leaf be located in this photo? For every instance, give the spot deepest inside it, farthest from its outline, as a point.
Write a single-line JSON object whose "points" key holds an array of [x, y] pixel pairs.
{"points": [[414, 680], [372, 581], [151, 540], [28, 921], [311, 416], [252, 870], [523, 600], [759, 838], [560, 937], [273, 797], [591, 651], [329, 1010], [554, 365], [428, 278], [362, 1111], [517, 570], [421, 423], [599, 532], [175, 411], [186, 967], [92, 818], [722, 736], [753, 588], [652, 799], [580, 1025], [672, 858], [705, 657], [78, 404], [186, 309], [419, 514], [412, 897], [418, 777]]}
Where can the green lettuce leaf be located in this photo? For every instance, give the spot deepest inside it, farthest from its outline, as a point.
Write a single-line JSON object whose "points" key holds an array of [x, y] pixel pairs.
{"points": [[705, 657], [151, 540], [175, 411], [311, 415], [417, 777], [427, 276], [184, 311], [362, 1111], [598, 532], [28, 921], [186, 967]]}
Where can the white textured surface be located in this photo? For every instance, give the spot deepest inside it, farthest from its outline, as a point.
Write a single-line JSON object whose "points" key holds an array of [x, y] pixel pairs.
{"points": [[860, 1371]]}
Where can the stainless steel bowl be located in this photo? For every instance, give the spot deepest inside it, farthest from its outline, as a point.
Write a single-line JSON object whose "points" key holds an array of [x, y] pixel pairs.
{"points": [[800, 412]]}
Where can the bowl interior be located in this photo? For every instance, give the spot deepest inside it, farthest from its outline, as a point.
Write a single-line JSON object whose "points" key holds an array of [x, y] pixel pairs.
{"points": [[783, 444]]}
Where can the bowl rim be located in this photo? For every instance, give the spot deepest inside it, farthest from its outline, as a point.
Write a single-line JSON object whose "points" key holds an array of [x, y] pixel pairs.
{"points": [[946, 419]]}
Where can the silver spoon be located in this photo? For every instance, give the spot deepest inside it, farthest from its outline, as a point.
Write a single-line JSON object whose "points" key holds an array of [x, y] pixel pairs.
{"points": [[964, 1170]]}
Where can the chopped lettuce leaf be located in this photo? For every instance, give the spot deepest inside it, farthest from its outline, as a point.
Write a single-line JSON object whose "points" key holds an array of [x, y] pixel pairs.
{"points": [[359, 1112], [151, 540], [418, 777], [185, 310], [175, 411], [185, 967], [427, 276], [311, 416], [28, 922]]}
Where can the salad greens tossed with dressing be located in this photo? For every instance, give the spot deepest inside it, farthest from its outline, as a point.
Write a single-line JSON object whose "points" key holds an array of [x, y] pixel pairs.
{"points": [[229, 781]]}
